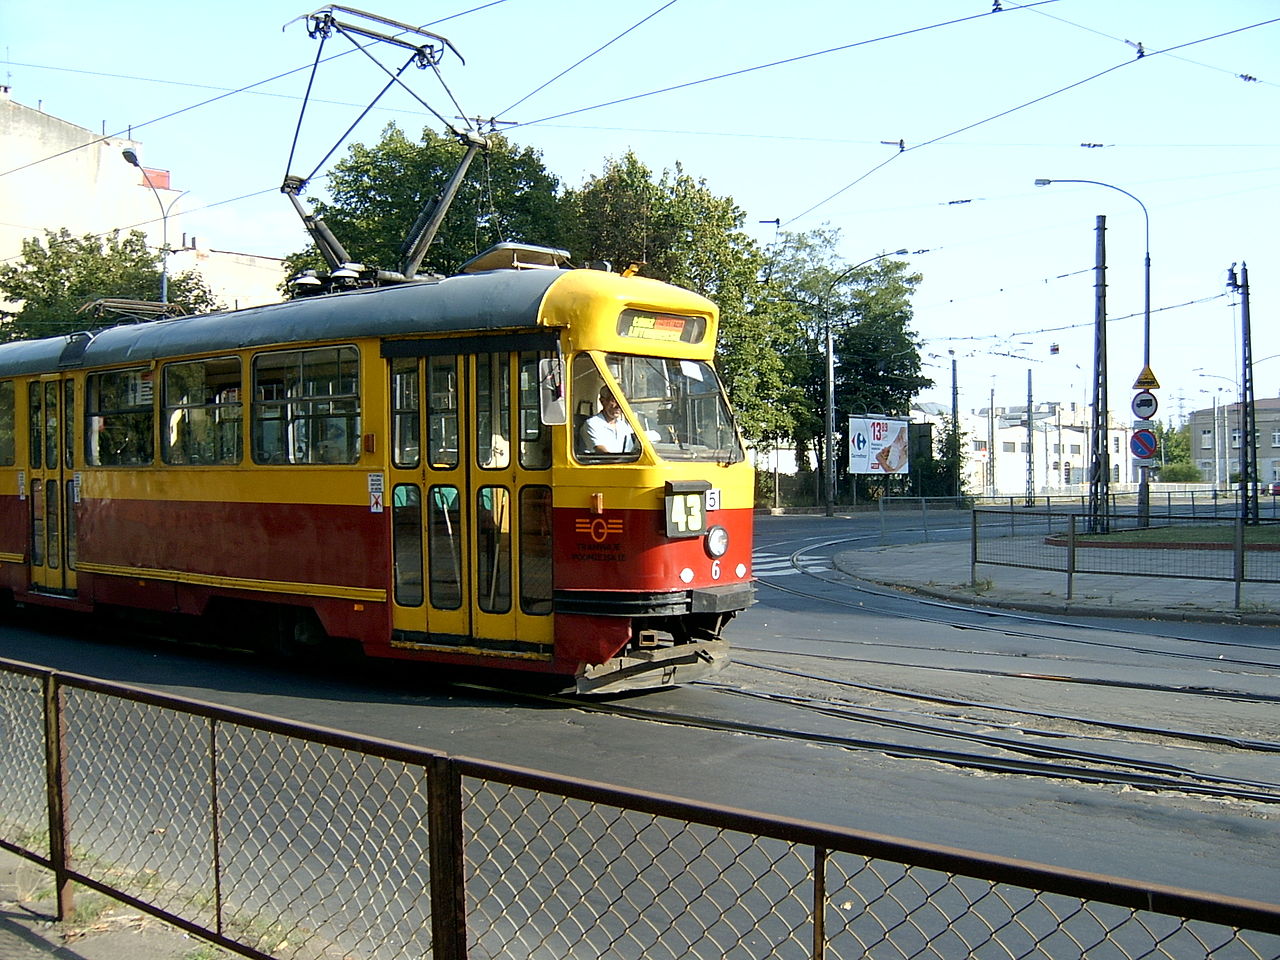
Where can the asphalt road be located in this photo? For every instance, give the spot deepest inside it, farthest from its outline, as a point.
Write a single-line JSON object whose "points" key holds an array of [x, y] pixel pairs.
{"points": [[811, 636]]}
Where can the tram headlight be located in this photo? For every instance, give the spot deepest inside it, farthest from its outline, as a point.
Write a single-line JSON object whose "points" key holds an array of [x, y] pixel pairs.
{"points": [[717, 542]]}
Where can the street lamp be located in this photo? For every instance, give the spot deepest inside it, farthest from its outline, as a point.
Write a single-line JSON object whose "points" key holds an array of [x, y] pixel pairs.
{"points": [[830, 472], [1144, 481], [131, 156]]}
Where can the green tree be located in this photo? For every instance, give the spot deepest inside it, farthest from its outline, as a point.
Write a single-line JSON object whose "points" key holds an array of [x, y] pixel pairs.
{"points": [[878, 369], [679, 231], [58, 275], [376, 194]]}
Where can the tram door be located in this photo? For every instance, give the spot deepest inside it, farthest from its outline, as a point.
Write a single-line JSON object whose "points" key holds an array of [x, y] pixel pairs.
{"points": [[50, 483], [471, 504]]}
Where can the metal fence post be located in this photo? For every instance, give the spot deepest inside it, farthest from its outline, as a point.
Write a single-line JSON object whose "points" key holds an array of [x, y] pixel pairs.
{"points": [[445, 848], [1071, 554], [215, 832], [880, 506], [819, 903], [55, 746], [1239, 558], [973, 548], [924, 516]]}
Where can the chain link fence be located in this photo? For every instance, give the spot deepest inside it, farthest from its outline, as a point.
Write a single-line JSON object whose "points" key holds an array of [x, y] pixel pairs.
{"points": [[287, 841]]}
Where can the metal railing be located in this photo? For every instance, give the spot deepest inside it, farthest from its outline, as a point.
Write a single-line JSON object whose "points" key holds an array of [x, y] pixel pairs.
{"points": [[282, 840], [1131, 545]]}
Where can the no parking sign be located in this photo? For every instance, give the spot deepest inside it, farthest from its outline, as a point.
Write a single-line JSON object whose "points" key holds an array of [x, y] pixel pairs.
{"points": [[1144, 445]]}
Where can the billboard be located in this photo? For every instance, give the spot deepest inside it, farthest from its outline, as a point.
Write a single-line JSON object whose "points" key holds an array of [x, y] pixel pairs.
{"points": [[878, 445]]}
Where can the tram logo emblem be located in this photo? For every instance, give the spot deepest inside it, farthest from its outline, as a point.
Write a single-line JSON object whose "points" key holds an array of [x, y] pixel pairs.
{"points": [[599, 528]]}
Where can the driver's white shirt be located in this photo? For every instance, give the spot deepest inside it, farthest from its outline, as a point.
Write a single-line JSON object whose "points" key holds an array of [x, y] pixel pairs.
{"points": [[614, 437]]}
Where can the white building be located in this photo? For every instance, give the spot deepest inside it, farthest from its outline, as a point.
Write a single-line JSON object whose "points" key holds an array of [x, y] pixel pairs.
{"points": [[1003, 458], [57, 174], [1216, 436]]}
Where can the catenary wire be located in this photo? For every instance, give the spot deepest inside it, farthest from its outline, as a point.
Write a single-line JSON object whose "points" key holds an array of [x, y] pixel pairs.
{"points": [[764, 66], [580, 62], [903, 149]]}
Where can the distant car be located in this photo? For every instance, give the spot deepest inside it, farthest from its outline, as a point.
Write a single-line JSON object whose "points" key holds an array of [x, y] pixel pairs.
{"points": [[1274, 489]]}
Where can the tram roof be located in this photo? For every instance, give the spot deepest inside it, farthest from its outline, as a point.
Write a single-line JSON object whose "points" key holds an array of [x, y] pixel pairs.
{"points": [[500, 300]]}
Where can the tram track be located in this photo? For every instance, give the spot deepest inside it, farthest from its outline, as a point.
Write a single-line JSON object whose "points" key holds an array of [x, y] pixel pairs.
{"points": [[997, 755], [849, 582]]}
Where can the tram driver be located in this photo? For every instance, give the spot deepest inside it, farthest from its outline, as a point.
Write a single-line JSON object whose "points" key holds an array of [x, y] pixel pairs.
{"points": [[608, 431]]}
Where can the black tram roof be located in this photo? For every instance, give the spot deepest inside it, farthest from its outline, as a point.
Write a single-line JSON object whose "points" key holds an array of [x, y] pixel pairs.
{"points": [[469, 303]]}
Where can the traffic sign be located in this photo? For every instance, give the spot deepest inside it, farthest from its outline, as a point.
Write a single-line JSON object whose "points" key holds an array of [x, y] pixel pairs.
{"points": [[1146, 380], [1145, 405], [1144, 444]]}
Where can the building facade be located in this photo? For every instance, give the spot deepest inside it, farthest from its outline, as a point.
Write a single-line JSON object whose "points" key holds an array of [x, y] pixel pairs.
{"points": [[1216, 441], [60, 175]]}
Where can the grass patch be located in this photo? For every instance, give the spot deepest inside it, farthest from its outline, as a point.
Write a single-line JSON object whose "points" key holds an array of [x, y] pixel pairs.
{"points": [[1193, 533]]}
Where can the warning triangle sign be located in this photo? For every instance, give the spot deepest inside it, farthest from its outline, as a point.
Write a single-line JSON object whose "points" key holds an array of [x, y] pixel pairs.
{"points": [[1146, 380]]}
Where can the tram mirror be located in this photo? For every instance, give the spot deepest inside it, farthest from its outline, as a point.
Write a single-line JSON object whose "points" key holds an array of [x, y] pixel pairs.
{"points": [[551, 391]]}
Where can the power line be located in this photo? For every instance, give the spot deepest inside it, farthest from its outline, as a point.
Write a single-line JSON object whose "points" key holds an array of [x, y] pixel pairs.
{"points": [[566, 70], [1040, 99], [204, 103], [766, 66]]}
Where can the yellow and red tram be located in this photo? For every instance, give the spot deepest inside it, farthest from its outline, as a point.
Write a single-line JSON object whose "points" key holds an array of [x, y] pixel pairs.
{"points": [[409, 467]]}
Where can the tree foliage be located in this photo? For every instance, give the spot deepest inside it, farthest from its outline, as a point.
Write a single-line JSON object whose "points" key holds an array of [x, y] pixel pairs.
{"points": [[877, 362], [377, 192], [58, 275], [680, 232]]}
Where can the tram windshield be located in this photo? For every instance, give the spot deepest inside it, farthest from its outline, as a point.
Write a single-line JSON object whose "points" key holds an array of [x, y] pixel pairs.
{"points": [[678, 404]]}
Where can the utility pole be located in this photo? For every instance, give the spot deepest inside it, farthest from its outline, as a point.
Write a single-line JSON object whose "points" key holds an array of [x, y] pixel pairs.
{"points": [[1100, 459], [1248, 414], [953, 443], [1031, 469], [991, 444]]}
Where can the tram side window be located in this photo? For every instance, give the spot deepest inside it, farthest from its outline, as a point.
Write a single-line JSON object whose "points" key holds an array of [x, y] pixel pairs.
{"points": [[493, 410], [442, 410], [8, 419], [405, 403], [119, 418], [35, 422], [306, 406], [202, 412]]}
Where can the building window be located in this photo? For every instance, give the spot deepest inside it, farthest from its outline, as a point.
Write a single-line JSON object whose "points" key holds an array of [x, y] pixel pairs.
{"points": [[1008, 446], [1275, 438], [1025, 448], [1235, 439], [979, 446], [1206, 439], [1115, 444], [1075, 448]]}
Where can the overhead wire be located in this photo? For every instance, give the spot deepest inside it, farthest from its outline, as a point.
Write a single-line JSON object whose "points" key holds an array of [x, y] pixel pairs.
{"points": [[248, 88], [580, 62], [770, 65], [903, 149]]}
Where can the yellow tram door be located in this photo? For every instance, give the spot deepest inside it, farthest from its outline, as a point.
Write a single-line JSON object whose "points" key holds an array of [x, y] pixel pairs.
{"points": [[50, 485], [510, 502], [471, 504], [427, 489]]}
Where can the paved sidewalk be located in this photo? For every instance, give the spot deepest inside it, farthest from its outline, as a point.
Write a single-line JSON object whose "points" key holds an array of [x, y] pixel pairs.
{"points": [[943, 570], [101, 930]]}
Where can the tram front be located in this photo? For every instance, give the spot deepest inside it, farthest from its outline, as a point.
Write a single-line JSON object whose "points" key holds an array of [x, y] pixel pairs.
{"points": [[653, 502]]}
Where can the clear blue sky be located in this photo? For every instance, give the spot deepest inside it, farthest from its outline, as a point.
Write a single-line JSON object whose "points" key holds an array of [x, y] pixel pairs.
{"points": [[984, 104]]}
